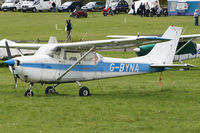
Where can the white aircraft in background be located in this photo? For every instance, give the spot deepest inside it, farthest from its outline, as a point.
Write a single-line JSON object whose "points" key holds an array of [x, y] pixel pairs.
{"points": [[76, 62], [186, 49]]}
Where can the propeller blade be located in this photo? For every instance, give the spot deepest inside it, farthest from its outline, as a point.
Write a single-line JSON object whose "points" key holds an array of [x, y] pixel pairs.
{"points": [[15, 78], [10, 62], [8, 50]]}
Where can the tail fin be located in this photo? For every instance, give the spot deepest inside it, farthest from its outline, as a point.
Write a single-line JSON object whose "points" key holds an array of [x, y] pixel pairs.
{"points": [[163, 53]]}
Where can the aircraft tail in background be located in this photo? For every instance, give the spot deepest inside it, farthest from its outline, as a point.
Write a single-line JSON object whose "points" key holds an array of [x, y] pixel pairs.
{"points": [[163, 53]]}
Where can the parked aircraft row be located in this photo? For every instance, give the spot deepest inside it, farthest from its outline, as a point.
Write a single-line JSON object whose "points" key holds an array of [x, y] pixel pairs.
{"points": [[57, 63]]}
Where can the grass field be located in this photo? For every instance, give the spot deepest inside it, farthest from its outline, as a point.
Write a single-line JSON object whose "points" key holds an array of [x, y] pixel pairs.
{"points": [[117, 105]]}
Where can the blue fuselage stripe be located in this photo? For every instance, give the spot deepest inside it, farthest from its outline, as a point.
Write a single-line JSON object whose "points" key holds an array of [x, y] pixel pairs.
{"points": [[100, 67]]}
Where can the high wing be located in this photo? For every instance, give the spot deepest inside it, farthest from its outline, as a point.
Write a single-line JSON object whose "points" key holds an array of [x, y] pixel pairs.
{"points": [[183, 38], [19, 45], [99, 44], [113, 43]]}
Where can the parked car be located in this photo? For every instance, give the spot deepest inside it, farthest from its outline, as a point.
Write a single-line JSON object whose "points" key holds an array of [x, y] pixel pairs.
{"points": [[120, 6], [69, 6], [94, 6], [11, 5]]}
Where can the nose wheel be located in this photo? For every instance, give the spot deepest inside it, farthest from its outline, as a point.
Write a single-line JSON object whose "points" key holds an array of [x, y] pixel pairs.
{"points": [[29, 92]]}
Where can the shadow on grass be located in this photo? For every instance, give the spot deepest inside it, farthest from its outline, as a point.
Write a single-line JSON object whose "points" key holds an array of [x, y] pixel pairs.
{"points": [[162, 94]]}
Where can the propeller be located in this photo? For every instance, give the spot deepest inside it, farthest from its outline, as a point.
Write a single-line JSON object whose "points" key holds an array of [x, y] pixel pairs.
{"points": [[10, 62]]}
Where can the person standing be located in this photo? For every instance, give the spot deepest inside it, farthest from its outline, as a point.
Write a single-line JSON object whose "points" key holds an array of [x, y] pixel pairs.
{"points": [[196, 14], [68, 29], [133, 7], [141, 9], [54, 7], [147, 10]]}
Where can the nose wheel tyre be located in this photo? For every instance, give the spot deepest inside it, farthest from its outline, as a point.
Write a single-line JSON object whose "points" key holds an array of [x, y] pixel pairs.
{"points": [[28, 93], [50, 90], [84, 91]]}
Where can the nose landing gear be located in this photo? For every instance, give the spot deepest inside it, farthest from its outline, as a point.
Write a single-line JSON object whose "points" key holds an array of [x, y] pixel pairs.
{"points": [[29, 92]]}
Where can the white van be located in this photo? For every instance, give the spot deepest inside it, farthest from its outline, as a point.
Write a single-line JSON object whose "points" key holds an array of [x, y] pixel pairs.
{"points": [[39, 5], [12, 5], [1, 2]]}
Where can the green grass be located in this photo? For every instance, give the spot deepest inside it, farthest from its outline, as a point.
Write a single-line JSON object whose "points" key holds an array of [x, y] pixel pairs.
{"points": [[117, 105], [23, 26]]}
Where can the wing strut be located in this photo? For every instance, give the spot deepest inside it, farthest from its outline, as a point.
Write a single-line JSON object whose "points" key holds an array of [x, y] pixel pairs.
{"points": [[183, 45], [75, 63]]}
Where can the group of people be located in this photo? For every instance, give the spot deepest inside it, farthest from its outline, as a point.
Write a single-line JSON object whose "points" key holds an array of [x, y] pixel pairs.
{"points": [[143, 10]]}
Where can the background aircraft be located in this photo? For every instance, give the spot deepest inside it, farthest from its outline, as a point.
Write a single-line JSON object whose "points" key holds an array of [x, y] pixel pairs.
{"points": [[186, 49], [75, 62]]}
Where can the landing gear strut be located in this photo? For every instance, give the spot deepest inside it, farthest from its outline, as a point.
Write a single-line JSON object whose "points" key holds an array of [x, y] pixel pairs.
{"points": [[51, 89], [29, 92], [84, 91]]}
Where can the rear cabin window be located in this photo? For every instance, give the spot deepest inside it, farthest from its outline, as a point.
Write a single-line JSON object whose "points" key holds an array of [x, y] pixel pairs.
{"points": [[74, 56]]}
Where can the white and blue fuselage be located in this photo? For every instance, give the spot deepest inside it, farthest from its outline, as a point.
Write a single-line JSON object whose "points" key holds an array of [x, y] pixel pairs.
{"points": [[45, 69]]}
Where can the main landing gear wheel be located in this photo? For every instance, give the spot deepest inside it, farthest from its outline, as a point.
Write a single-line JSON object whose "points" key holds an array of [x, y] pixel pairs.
{"points": [[50, 90], [84, 91], [28, 93]]}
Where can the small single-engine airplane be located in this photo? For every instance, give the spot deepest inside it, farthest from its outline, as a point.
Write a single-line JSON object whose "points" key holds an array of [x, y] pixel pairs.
{"points": [[56, 63]]}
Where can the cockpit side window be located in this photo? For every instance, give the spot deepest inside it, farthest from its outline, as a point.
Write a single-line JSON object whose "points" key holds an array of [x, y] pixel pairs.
{"points": [[89, 57], [72, 56]]}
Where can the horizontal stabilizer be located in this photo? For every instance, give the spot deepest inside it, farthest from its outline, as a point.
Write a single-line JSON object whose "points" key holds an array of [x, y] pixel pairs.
{"points": [[183, 38], [188, 37], [176, 66]]}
